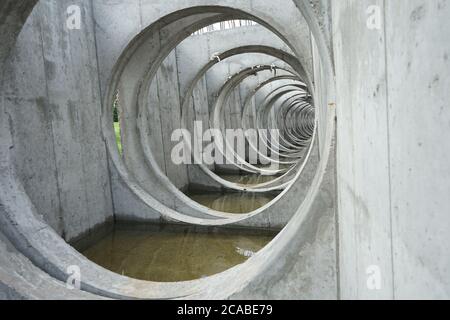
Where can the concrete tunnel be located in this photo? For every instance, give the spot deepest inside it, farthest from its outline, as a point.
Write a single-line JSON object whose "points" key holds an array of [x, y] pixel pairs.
{"points": [[343, 169]]}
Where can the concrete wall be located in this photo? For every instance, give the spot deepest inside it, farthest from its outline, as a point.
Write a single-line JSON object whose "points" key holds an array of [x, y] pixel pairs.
{"points": [[393, 169], [168, 95], [53, 103]]}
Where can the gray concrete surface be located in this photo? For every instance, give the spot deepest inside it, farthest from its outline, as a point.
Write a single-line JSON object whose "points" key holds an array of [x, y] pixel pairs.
{"points": [[376, 200], [393, 205], [52, 100]]}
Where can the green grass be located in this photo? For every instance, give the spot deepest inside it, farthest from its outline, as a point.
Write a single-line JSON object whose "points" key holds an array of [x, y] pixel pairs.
{"points": [[118, 137]]}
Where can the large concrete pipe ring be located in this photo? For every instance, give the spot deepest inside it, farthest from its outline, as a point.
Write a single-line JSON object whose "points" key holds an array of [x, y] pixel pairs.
{"points": [[161, 189], [186, 103], [186, 205], [217, 124], [47, 256]]}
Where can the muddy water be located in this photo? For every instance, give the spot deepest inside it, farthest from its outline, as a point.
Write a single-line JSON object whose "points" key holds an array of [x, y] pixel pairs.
{"points": [[248, 180], [174, 253], [239, 203]]}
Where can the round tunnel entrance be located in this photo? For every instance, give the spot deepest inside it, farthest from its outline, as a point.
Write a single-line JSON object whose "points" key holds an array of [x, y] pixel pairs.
{"points": [[203, 113], [286, 102]]}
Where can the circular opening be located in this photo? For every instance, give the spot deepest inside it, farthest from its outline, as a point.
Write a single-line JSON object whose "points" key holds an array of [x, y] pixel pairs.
{"points": [[233, 103], [33, 239]]}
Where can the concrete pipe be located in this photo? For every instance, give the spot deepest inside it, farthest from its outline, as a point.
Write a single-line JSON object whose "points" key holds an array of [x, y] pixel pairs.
{"points": [[28, 243]]}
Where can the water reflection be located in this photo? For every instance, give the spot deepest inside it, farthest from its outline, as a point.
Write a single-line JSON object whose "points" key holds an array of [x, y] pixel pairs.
{"points": [[238, 203], [174, 253], [248, 180]]}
